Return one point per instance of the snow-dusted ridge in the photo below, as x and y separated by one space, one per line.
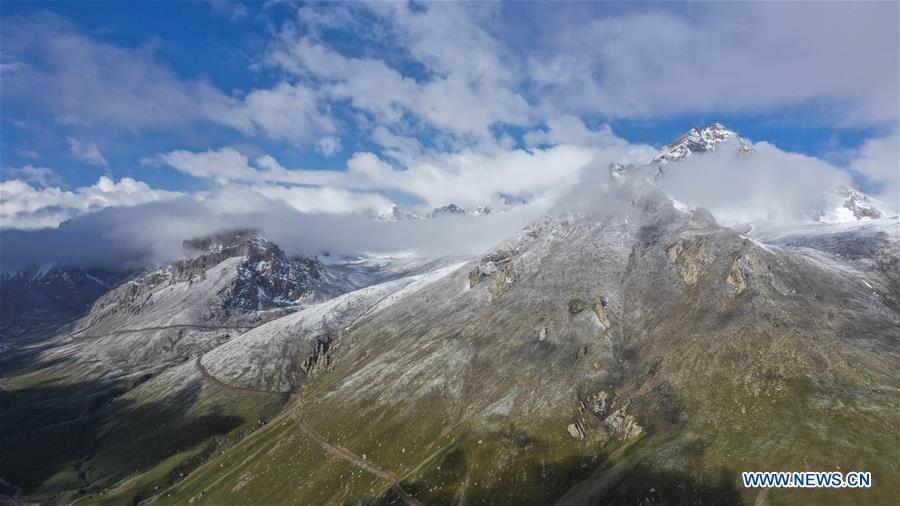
278 355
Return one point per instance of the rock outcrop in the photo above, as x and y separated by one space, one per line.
498 266
599 407
576 306
691 256
602 313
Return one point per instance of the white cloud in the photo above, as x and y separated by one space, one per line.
879 163
732 57
152 233
84 81
325 199
328 146
38 176
771 184
469 177
568 129
286 111
471 83
96 84
88 152
24 206
221 165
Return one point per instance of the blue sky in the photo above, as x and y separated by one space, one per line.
416 104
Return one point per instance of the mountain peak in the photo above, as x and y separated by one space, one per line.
241 238
700 140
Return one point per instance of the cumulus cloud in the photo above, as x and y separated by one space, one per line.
469 177
471 84
436 88
318 211
569 129
286 111
86 151
25 206
87 82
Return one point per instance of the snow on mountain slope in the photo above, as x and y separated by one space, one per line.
395 213
234 281
698 140
277 356
847 204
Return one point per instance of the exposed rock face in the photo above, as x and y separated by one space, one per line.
498 266
503 280
267 277
616 423
395 213
621 425
620 172
448 210
809 344
576 430
319 359
602 313
576 306
735 279
600 404
258 276
858 203
475 277
692 256
233 282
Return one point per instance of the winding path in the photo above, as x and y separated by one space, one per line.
216 381
324 441
344 454
164 327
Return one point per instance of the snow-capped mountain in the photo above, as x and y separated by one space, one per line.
266 276
700 140
843 204
225 274
396 213
848 204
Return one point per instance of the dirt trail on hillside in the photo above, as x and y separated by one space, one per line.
164 327
327 444
353 458
212 379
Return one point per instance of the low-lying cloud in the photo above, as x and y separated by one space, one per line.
129 224
770 184
152 234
